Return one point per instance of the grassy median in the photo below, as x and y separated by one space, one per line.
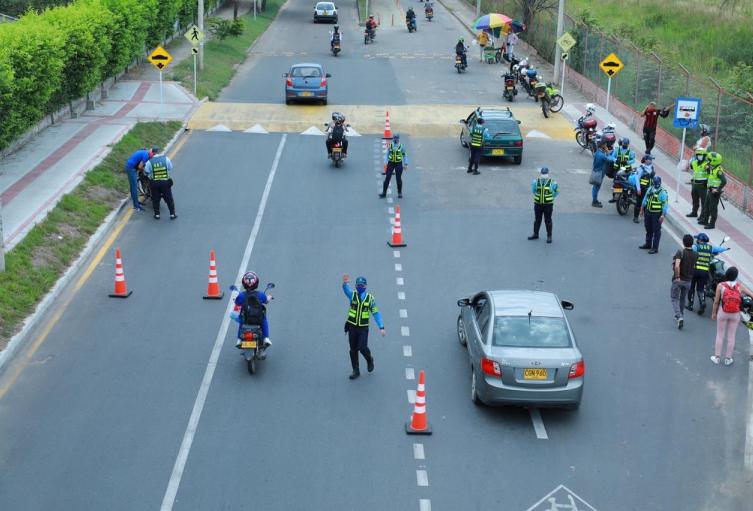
222 57
35 264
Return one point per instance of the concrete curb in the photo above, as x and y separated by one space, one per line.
76 266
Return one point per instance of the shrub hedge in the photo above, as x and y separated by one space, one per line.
51 57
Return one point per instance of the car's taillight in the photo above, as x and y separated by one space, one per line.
518 143
577 370
490 367
289 82
324 82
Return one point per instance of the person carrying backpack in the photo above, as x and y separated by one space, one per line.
336 133
250 307
729 295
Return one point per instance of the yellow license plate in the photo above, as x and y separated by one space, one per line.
498 152
617 190
326 13
535 374
336 149
306 94
248 345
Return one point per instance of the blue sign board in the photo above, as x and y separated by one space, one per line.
687 113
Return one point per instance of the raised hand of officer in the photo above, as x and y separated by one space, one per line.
381 331
346 278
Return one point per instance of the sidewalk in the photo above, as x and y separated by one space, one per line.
732 221
34 178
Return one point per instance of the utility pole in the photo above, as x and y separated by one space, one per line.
557 50
200 15
478 8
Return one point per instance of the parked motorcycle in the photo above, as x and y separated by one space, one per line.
605 136
368 36
509 91
585 128
252 341
548 95
532 81
335 48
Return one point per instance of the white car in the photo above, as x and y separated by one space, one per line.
325 11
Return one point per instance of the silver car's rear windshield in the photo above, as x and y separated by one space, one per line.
325 6
539 332
306 72
501 126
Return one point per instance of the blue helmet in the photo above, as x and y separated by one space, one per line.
657 181
624 142
361 282
702 237
396 137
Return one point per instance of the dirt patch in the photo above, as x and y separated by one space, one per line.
102 194
44 257
66 231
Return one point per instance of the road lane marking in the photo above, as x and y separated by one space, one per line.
391 210
748 456
407 351
424 505
410 373
538 424
193 422
422 478
398 267
396 254
401 295
411 396
400 281
418 452
405 331
389 200
403 313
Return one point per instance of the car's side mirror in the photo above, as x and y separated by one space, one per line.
568 306
464 302
284 75
462 121
328 75
518 122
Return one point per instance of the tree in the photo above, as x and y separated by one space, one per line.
530 8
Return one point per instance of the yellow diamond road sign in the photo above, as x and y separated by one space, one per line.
611 65
194 35
160 58
566 41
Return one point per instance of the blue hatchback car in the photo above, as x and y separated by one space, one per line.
306 82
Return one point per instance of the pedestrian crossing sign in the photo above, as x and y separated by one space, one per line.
194 35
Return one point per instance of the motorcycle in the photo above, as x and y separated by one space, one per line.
606 135
429 12
551 100
335 48
144 186
411 24
624 194
509 91
585 129
531 83
459 64
338 156
252 341
369 35
717 269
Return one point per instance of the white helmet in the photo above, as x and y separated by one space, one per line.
590 107
515 67
612 126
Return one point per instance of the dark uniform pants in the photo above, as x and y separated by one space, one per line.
358 337
163 190
331 142
649 136
638 203
698 284
397 168
698 193
545 211
474 159
653 229
709 210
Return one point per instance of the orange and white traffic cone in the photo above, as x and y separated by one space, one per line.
213 288
121 290
418 424
397 231
387 130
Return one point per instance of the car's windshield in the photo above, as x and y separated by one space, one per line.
501 126
325 6
538 332
306 72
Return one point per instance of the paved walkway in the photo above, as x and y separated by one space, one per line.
34 178
732 221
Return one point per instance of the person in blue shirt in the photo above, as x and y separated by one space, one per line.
544 190
654 207
642 179
602 157
134 163
395 161
706 252
362 307
250 282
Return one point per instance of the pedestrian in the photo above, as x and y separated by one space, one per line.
651 115
699 165
642 179
683 264
714 186
362 307
395 161
729 295
706 251
478 134
135 163
512 40
705 141
544 190
483 40
654 207
158 170
603 156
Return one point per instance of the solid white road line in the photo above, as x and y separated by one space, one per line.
405 331
422 478
418 452
538 424
193 422
424 505
410 373
407 351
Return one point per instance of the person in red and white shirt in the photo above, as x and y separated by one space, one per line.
651 115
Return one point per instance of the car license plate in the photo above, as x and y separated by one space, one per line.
326 13
248 345
307 94
535 374
498 152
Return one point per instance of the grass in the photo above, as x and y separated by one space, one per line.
35 264
221 57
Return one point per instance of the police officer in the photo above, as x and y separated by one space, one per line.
158 169
654 206
132 166
396 160
544 190
706 251
715 183
362 307
700 169
644 176
624 156
477 146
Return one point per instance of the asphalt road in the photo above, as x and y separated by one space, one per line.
96 417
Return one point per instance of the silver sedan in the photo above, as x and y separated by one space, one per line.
521 348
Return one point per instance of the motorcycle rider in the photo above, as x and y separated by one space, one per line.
335 36
336 133
699 166
624 157
410 16
642 179
250 282
715 183
706 252
371 25
428 8
460 50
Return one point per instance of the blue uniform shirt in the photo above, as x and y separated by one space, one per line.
387 154
148 169
552 185
140 156
715 249
349 293
663 196
601 158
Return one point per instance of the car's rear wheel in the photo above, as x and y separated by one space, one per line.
474 392
461 332
324 102
287 101
517 160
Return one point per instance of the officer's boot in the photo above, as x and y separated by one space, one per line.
369 359
354 363
701 303
549 232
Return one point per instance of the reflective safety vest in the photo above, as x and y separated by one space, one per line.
704 256
544 193
360 311
396 153
715 179
700 170
654 203
645 180
159 168
623 157
477 136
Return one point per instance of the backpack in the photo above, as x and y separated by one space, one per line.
338 132
731 298
252 310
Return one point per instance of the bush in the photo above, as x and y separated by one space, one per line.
131 22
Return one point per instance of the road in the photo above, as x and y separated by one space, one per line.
98 408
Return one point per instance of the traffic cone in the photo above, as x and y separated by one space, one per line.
397 231
387 129
120 281
418 424
213 288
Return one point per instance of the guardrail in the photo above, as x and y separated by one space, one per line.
5 18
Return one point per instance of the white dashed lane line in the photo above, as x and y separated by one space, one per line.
407 351
401 295
398 267
418 452
396 254
400 281
424 505
410 373
405 331
422 478
411 396
403 313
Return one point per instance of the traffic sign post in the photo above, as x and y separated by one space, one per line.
564 66
195 36
565 43
687 114
611 65
160 59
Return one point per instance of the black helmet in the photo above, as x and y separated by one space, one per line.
250 281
